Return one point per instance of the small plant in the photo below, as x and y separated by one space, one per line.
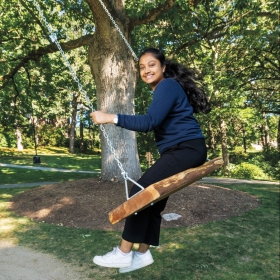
268 161
237 155
247 171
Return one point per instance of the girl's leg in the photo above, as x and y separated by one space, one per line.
145 226
126 246
143 248
141 258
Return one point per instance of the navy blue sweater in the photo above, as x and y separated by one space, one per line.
170 115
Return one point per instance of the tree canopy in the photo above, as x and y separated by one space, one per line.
233 45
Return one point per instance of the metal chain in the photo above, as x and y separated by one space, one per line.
53 38
113 151
118 29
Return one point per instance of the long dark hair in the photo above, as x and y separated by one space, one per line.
186 78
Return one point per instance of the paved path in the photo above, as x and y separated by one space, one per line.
35 167
23 185
19 263
214 180
46 168
209 180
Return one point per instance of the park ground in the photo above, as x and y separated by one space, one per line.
85 204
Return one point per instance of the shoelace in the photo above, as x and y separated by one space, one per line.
114 252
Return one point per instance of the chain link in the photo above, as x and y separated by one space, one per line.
118 29
53 38
113 151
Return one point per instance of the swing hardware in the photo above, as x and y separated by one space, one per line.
150 205
53 39
163 189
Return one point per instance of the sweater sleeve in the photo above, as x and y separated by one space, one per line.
163 101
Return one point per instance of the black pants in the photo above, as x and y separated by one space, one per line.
145 226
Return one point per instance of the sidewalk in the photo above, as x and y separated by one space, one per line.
205 180
35 167
20 263
24 185
46 168
210 180
216 180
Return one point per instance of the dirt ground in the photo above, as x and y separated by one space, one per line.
86 203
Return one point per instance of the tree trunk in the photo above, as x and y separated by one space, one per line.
82 143
73 126
34 121
225 154
278 135
261 135
19 139
36 125
114 72
265 133
244 139
211 138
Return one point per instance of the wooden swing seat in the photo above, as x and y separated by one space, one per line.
162 189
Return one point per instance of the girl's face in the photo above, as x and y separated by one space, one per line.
151 71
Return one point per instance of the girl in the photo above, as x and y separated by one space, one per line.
180 143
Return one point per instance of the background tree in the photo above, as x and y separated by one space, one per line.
231 44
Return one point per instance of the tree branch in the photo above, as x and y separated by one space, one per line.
16 96
269 15
35 55
216 31
117 12
214 34
35 17
152 14
268 60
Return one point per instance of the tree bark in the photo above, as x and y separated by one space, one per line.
73 126
82 143
114 72
266 134
19 139
278 135
244 139
211 138
225 154
264 129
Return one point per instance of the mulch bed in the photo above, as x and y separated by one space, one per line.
86 203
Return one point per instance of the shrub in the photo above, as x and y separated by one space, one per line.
3 141
247 171
8 139
51 136
28 142
238 155
268 161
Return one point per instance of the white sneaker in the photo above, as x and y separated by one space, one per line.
139 261
114 259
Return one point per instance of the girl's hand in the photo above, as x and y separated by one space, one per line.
99 117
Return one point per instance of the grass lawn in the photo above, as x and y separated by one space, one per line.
18 176
244 247
240 248
50 157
